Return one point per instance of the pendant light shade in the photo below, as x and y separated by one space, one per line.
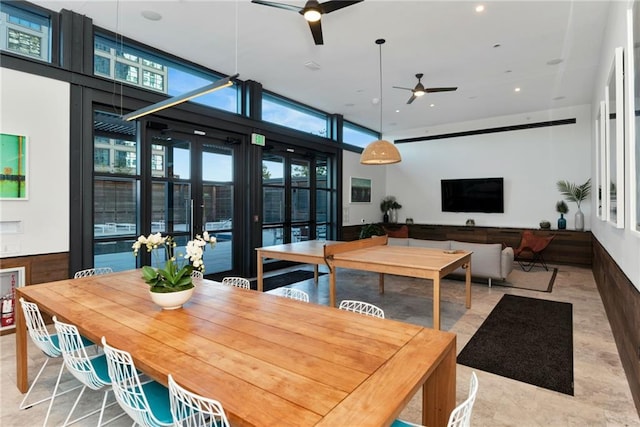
380 152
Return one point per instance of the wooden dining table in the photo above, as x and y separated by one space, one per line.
269 360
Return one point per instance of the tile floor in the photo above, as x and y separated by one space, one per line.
602 396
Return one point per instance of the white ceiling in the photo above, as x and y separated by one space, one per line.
448 41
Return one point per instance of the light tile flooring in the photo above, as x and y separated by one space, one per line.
602 396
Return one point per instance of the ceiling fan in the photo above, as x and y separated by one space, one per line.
420 90
312 12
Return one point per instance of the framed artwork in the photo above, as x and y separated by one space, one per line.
360 190
632 85
10 279
13 167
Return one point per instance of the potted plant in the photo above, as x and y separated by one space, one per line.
575 193
369 230
175 276
389 206
562 208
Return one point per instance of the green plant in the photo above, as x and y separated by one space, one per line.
175 275
562 207
574 193
369 230
388 203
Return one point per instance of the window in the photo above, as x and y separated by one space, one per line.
353 134
157 162
24 32
292 115
101 158
145 69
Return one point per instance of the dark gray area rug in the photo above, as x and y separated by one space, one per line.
526 339
284 279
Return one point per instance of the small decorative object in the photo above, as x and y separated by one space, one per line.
470 222
409 220
562 208
389 207
175 276
575 193
545 225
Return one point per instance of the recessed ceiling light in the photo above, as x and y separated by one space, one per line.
558 98
480 8
432 105
517 89
496 45
508 71
151 15
554 61
397 111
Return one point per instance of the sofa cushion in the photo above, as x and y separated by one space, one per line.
435 244
485 260
396 241
402 232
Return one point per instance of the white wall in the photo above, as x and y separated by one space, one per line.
357 213
530 161
38 108
622 244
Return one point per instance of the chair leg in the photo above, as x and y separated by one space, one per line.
101 410
53 396
73 408
22 404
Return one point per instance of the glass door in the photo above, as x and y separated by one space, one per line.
295 195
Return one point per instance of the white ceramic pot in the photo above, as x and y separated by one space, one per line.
171 300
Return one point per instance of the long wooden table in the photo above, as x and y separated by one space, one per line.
269 360
374 255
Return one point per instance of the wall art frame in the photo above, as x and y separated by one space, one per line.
360 190
14 166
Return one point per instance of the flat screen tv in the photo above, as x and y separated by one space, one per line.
473 195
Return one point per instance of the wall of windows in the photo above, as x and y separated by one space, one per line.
25 33
353 134
293 115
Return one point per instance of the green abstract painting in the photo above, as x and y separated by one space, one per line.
13 166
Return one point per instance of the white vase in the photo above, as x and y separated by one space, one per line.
579 220
171 300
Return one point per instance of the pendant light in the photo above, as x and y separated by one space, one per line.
380 152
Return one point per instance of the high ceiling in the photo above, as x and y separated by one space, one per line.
550 50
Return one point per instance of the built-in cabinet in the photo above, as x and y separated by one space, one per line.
567 247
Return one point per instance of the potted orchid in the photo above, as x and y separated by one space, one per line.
175 275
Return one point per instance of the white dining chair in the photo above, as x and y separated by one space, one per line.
238 282
295 294
461 414
361 307
192 410
146 403
49 344
92 272
90 371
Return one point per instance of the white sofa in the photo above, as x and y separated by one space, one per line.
488 261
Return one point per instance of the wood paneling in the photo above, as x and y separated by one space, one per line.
567 247
39 269
621 301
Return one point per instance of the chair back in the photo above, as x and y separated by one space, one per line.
295 294
238 282
92 272
361 307
126 385
533 243
38 331
75 356
197 274
461 415
192 410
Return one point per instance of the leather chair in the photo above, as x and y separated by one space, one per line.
529 252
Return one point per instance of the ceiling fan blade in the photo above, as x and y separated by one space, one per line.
278 5
405 88
413 97
330 6
440 89
316 31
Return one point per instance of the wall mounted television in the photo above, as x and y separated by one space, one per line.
473 195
